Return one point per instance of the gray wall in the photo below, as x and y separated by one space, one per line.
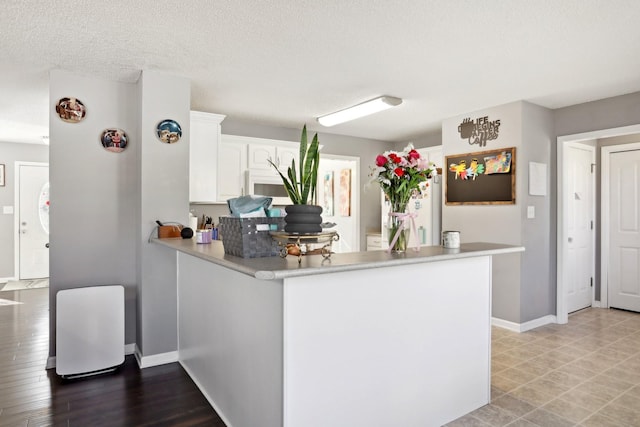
598 115
606 113
104 205
93 193
366 149
429 139
163 176
538 275
491 223
9 154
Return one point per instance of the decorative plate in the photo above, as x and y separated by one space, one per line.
114 140
71 110
169 131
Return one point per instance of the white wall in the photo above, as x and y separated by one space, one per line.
9 154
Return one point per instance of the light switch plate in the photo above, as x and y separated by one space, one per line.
531 212
7 210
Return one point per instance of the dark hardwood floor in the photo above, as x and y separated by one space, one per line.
32 396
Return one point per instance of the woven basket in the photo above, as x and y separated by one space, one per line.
249 237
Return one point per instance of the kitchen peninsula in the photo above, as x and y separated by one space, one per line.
358 339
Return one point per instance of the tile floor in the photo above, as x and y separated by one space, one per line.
584 373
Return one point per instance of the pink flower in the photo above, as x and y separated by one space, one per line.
413 155
381 160
423 164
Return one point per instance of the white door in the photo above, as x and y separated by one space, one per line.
624 230
580 214
33 221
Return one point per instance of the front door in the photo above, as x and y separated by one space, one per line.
33 221
624 230
578 290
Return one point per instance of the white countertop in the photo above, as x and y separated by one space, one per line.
269 268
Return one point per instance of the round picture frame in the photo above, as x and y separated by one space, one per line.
169 131
114 140
71 110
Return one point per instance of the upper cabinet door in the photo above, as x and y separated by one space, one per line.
260 155
285 155
232 164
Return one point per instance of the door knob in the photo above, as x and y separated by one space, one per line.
570 239
46 245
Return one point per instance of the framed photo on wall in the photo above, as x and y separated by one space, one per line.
1 175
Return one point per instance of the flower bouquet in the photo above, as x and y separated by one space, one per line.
400 175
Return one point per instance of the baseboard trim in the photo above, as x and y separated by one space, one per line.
51 362
4 280
523 327
128 349
596 304
155 359
206 395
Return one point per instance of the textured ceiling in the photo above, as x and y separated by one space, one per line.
285 62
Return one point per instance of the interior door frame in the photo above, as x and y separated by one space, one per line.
562 316
605 195
16 213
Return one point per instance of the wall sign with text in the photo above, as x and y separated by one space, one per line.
479 131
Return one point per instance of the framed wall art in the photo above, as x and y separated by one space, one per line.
71 110
114 140
328 204
481 178
169 131
345 192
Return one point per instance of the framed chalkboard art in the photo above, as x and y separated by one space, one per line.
481 178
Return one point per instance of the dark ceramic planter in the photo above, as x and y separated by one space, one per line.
303 219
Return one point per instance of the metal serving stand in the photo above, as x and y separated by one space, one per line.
303 242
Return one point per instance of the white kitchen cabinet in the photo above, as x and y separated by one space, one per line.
286 154
232 165
374 241
263 150
205 131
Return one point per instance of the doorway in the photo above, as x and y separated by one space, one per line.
338 192
563 268
31 220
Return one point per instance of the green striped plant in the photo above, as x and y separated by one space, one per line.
301 184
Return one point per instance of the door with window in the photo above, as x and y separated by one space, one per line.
33 221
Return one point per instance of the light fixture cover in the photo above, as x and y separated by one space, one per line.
364 109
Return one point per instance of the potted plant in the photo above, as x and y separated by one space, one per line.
300 183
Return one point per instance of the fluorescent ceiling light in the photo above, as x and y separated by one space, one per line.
366 108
